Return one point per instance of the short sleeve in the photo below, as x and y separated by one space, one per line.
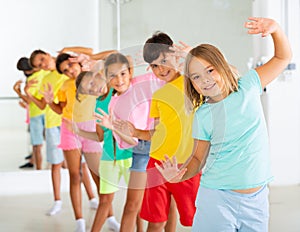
154 111
251 81
201 127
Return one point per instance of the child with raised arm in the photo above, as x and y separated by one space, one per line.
71 145
131 102
171 135
230 135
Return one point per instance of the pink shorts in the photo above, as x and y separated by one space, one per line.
157 197
71 141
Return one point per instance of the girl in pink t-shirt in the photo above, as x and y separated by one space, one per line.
130 103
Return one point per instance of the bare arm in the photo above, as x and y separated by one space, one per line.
17 89
102 55
38 102
282 51
77 49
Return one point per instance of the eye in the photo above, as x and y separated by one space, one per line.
210 70
153 66
195 77
163 61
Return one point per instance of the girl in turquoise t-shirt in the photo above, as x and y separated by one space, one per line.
230 135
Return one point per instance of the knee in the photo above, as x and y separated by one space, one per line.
75 177
132 206
158 226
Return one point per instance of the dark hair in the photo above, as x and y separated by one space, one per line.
157 44
23 64
34 54
59 59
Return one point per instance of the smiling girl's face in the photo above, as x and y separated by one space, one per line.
94 85
206 79
119 77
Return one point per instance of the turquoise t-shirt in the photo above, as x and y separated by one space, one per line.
236 128
108 146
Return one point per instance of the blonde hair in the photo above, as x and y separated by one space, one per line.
212 55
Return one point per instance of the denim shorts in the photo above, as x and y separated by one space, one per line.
36 127
226 210
140 156
54 154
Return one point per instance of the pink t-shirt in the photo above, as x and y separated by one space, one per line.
134 104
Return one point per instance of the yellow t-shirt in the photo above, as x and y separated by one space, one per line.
83 111
35 111
56 79
67 93
173 133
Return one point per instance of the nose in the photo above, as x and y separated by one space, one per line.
161 68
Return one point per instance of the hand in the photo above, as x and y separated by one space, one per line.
103 119
170 170
84 60
124 127
29 84
263 26
180 52
48 93
17 86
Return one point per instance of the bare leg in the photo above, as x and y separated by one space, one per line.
73 160
37 153
56 179
135 193
172 217
156 227
86 181
103 210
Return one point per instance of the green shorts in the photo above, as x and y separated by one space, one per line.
111 173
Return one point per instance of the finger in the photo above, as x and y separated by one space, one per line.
181 173
183 44
174 161
102 112
159 168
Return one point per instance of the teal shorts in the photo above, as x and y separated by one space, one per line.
111 173
229 211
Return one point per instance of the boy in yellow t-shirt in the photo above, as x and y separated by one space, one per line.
172 137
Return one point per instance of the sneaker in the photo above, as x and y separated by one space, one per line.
55 208
94 203
80 225
112 224
28 157
27 165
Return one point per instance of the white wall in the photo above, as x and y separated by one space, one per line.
50 25
282 95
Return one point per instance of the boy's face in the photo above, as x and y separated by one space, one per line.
44 61
164 67
70 69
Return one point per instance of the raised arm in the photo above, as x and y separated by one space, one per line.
282 51
17 89
77 49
